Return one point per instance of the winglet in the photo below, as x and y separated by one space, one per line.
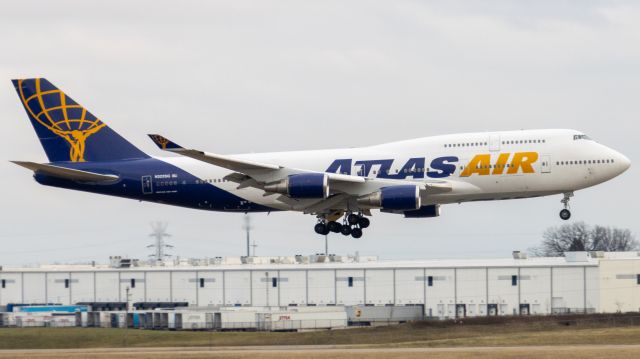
164 144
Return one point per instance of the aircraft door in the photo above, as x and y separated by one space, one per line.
545 164
494 143
147 185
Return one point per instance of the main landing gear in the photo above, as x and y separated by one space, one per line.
565 214
352 225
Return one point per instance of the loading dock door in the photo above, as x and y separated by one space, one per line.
461 310
492 310
525 309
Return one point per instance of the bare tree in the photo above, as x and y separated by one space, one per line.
581 237
610 239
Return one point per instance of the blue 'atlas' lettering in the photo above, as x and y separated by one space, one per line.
342 166
367 166
443 167
414 168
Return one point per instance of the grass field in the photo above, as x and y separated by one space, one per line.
554 352
498 332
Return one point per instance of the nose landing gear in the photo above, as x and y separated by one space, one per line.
565 214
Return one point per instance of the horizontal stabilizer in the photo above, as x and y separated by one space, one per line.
66 173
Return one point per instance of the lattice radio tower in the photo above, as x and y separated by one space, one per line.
159 233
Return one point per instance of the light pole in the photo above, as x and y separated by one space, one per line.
326 245
126 317
247 227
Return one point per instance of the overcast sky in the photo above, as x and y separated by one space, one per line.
239 76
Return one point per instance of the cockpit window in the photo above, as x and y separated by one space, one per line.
581 137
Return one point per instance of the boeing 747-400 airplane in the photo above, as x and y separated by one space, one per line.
412 178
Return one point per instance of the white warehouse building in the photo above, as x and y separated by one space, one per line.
580 282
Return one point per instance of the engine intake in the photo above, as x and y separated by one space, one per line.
303 185
403 197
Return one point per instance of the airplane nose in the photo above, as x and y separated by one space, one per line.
623 162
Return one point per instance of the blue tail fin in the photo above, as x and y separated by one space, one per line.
67 131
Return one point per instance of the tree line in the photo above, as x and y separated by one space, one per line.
579 236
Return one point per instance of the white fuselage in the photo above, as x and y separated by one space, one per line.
550 162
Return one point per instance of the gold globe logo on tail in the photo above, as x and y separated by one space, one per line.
75 129
161 141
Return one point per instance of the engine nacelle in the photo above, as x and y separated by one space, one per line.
402 197
424 212
303 185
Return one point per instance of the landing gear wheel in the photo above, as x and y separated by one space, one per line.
334 227
565 214
356 232
364 222
321 229
352 219
346 230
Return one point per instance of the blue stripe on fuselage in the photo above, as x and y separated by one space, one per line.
170 185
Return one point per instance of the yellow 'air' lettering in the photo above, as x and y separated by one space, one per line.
498 169
479 164
523 160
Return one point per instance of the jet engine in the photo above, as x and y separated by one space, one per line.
424 212
402 197
303 185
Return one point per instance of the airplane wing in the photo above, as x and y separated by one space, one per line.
66 173
264 172
256 174
214 159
